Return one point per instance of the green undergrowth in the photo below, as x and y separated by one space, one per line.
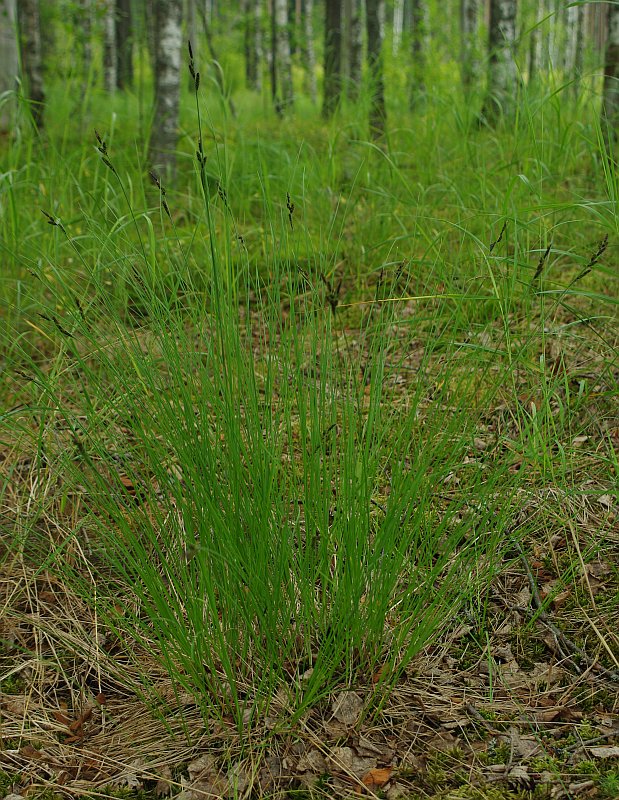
288 412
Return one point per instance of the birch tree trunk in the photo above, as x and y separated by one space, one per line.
332 88
124 44
9 65
109 46
308 54
356 50
398 23
346 43
253 44
579 46
535 43
502 72
375 21
85 32
30 47
419 43
470 67
168 44
284 91
610 103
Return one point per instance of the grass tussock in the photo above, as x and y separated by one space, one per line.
304 452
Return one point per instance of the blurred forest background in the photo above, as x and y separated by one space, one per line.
294 53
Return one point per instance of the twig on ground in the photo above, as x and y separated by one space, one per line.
562 641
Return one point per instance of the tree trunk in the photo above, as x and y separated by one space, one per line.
30 46
535 43
253 44
219 74
168 45
124 45
502 72
308 54
284 92
345 22
355 50
9 65
579 47
610 103
398 24
109 46
469 52
332 88
375 19
85 31
419 45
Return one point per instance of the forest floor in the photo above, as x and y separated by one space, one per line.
525 706
506 324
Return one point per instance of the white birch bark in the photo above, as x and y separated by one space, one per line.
579 46
535 42
168 46
502 71
8 63
308 52
470 64
398 22
610 103
571 31
109 46
282 49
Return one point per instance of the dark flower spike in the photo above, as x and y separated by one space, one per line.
102 148
53 319
541 262
333 295
290 207
190 49
53 221
499 238
222 194
594 259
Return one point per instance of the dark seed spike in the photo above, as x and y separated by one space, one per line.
541 262
190 49
500 237
197 80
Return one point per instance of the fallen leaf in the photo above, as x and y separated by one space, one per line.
347 708
344 759
313 761
84 717
238 779
604 751
164 785
31 752
377 777
519 776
